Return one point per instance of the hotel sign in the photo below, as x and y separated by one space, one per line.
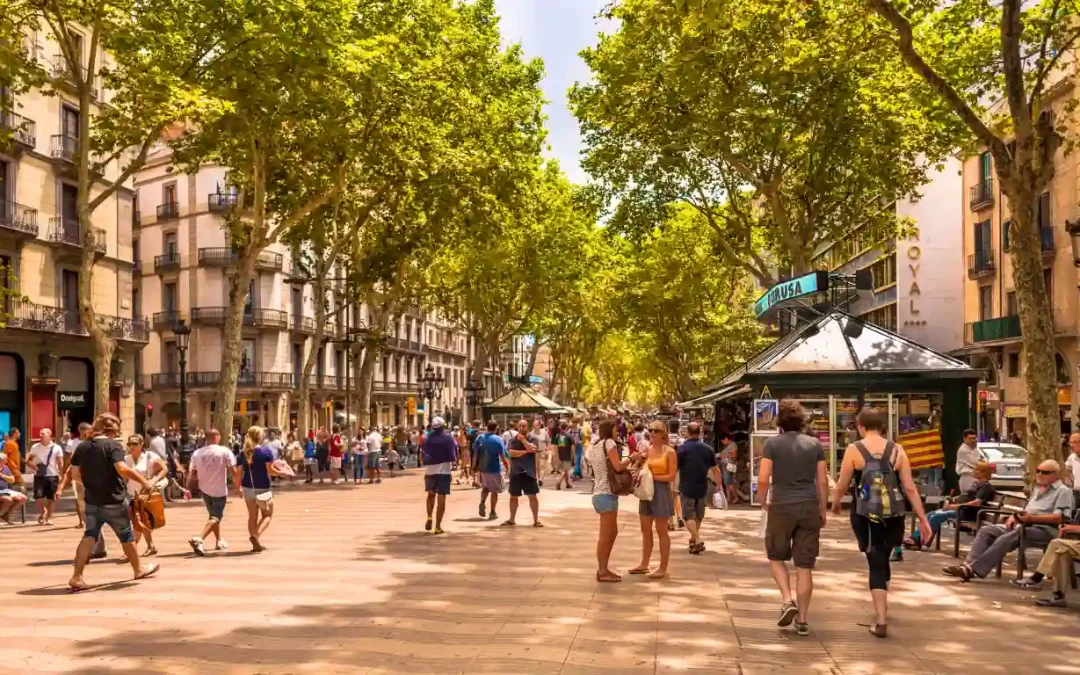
808 284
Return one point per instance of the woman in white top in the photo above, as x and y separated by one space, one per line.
156 471
604 501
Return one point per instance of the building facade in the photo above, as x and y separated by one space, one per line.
46 358
992 338
916 283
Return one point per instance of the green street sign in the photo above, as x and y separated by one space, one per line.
807 284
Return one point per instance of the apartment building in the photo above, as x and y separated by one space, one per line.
182 262
916 284
46 358
992 338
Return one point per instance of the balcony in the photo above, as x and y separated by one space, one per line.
221 202
274 319
245 379
62 70
168 262
18 219
401 344
64 148
379 387
324 382
980 264
993 330
304 325
166 320
23 130
981 195
225 256
65 232
165 380
168 211
46 319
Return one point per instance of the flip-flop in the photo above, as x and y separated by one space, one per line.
508 523
609 578
657 575
150 572
638 570
538 524
78 589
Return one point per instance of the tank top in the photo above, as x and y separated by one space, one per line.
658 465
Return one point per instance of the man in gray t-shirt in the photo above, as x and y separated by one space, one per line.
794 464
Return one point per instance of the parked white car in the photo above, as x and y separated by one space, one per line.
1008 462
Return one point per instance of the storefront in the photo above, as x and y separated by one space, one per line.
12 395
74 394
834 365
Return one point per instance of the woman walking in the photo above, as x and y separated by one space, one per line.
156 471
880 468
605 502
322 455
256 466
662 462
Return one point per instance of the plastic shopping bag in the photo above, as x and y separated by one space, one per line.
643 485
719 500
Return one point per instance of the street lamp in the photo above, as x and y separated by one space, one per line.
183 333
474 394
1073 228
432 388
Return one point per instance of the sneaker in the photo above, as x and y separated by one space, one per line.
788 613
439 530
802 628
493 516
222 545
197 545
1052 601
483 509
427 525
1026 584
897 556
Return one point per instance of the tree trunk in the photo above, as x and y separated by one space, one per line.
1036 325
533 354
304 386
232 340
363 384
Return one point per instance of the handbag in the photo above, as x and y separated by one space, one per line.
42 469
643 485
620 482
149 509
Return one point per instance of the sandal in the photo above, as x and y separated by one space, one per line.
150 551
150 572
508 523
538 524
608 577
638 570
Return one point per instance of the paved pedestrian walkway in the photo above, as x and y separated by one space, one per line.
351 584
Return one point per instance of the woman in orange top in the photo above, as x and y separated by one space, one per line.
11 449
654 514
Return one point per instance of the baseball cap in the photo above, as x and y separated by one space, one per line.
438 423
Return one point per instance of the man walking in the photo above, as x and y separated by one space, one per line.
374 454
795 464
46 460
967 456
210 466
697 463
564 449
440 453
490 453
541 439
523 474
98 463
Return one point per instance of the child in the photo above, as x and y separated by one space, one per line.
309 460
392 458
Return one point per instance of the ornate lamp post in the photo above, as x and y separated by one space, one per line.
183 333
432 384
474 396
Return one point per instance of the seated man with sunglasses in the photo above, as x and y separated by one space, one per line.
1050 506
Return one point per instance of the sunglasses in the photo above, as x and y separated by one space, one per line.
1044 472
658 431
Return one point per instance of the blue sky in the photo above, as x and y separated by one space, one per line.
556 31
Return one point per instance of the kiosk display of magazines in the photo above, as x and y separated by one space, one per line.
834 363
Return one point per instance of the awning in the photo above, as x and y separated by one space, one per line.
715 395
522 400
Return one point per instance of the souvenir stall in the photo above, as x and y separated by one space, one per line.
834 364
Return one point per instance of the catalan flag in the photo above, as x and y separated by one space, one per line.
923 448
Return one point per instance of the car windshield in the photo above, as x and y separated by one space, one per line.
997 452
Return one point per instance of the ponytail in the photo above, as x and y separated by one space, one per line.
252 438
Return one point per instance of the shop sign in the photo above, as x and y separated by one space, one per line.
1065 395
919 407
914 254
791 289
411 404
1015 410
71 400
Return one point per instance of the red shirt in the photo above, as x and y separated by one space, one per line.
335 446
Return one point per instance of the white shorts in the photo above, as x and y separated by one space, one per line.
335 462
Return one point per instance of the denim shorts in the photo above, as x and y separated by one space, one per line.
115 516
605 503
215 506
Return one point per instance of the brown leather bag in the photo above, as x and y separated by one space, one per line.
149 510
621 482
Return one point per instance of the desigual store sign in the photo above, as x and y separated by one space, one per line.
72 400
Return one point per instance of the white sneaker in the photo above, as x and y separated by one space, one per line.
222 545
197 546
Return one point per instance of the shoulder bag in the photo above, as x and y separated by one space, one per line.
621 482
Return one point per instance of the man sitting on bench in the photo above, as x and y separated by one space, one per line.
1056 563
979 494
1050 506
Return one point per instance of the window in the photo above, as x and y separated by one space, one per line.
986 168
986 302
1042 211
386 368
983 242
297 294
339 362
171 361
170 244
1014 364
883 272
883 316
247 356
1010 304
168 194
249 299
168 297
136 305
7 184
1006 235
77 47
298 362
69 211
69 281
69 122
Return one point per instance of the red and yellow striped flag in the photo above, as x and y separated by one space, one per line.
923 448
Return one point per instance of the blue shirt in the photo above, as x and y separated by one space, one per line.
489 453
257 475
309 450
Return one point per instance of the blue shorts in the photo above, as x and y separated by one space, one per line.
605 503
115 516
215 506
373 459
438 483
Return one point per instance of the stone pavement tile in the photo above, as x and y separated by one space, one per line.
598 653
747 667
403 666
696 662
614 668
883 665
614 630
523 627
513 666
547 651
